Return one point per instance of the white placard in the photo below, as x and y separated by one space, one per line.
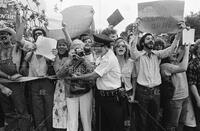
54 21
188 36
45 46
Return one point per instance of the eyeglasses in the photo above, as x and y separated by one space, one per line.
121 46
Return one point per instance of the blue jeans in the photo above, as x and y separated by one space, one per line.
174 114
42 91
149 100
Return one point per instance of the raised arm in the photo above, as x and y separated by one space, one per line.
166 52
20 24
134 40
181 67
67 36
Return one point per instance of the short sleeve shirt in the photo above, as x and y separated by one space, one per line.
109 71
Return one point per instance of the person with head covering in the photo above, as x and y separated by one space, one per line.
148 77
42 90
108 96
10 65
79 93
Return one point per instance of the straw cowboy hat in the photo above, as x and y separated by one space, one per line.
9 30
4 28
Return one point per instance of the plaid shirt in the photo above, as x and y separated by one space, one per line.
193 73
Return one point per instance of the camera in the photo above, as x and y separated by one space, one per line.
78 53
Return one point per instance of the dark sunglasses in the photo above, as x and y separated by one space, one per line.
121 46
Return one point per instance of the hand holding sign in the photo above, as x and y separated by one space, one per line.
45 47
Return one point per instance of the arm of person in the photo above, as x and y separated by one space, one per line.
4 75
195 93
67 36
135 54
100 70
20 24
166 52
5 90
181 67
86 77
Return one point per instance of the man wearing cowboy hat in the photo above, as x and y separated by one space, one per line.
10 60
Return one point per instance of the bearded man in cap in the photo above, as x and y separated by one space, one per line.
148 76
108 80
10 65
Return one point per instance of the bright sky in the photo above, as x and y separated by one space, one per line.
104 8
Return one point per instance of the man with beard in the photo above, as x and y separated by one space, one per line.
13 104
149 78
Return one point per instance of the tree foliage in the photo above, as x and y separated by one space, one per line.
193 20
33 18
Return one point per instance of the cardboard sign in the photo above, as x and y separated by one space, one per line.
54 21
160 16
7 12
78 20
188 36
45 46
115 18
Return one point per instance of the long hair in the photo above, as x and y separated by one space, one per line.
127 53
66 54
141 42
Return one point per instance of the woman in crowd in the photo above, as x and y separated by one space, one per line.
128 77
60 103
174 109
77 100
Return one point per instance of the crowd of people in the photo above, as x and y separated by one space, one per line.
100 82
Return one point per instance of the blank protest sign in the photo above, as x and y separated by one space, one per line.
188 36
115 18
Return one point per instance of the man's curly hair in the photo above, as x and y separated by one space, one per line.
109 31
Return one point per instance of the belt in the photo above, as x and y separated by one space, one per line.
110 93
152 91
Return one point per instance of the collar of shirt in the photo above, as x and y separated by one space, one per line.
147 53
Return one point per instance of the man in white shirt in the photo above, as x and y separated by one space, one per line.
109 110
149 78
